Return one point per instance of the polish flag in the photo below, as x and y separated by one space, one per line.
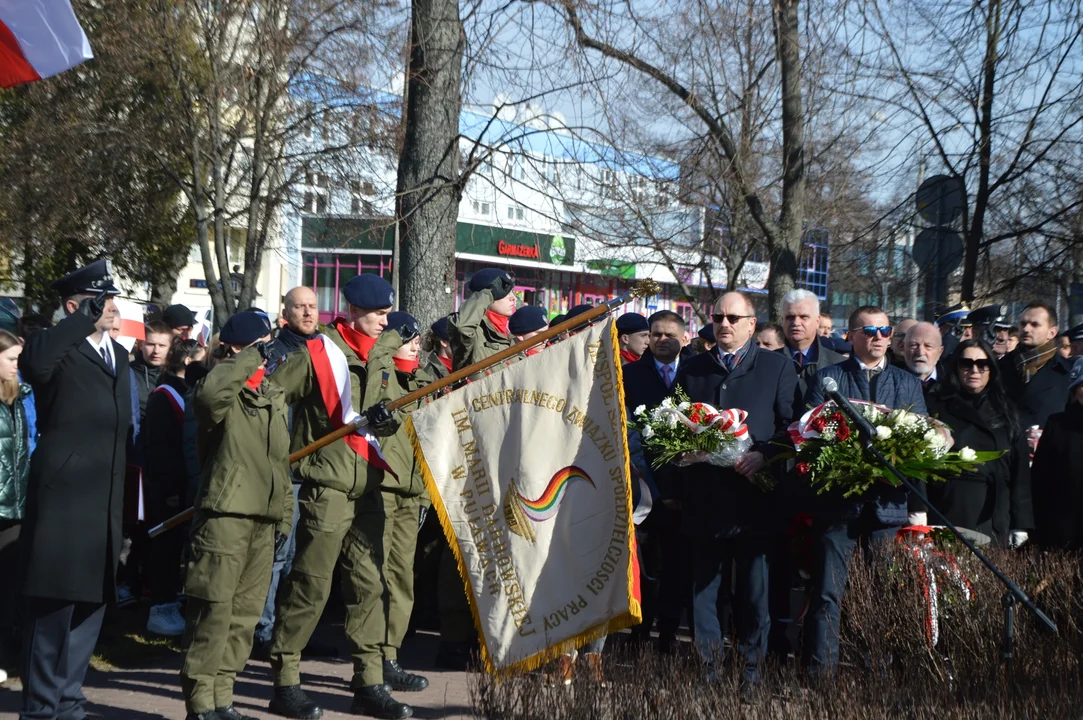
39 38
131 322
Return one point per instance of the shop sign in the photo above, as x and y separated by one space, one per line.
513 250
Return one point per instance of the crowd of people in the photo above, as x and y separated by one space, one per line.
97 446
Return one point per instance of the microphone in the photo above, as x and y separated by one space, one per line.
831 390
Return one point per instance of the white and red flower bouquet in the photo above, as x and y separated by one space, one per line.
684 433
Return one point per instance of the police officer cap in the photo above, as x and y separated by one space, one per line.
243 328
1073 333
404 323
369 291
632 322
439 329
954 313
527 319
93 278
578 310
1075 377
178 316
706 333
485 279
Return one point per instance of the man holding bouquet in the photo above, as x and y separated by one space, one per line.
732 518
840 521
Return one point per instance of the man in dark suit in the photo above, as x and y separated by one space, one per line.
804 345
72 531
840 521
647 382
731 519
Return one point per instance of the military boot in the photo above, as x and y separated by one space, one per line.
375 701
401 680
292 702
231 713
209 715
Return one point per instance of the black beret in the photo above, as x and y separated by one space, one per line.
369 291
260 312
439 329
244 328
707 333
632 322
485 278
178 316
558 319
401 319
94 278
527 319
578 310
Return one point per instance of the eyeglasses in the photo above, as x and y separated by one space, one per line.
981 365
731 319
871 330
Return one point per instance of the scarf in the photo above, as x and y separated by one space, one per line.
257 377
360 343
1028 363
738 355
291 339
446 361
498 321
628 356
404 365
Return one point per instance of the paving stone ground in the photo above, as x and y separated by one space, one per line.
152 690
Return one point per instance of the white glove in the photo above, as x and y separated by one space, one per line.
918 518
1018 538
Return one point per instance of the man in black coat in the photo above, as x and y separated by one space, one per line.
804 345
730 518
72 532
1035 377
647 382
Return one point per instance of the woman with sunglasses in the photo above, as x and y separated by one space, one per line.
994 500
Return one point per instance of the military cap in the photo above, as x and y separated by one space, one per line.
1075 377
558 319
91 279
404 323
439 329
178 316
261 314
369 291
987 315
527 319
243 328
487 279
1073 333
943 315
632 322
706 333
578 310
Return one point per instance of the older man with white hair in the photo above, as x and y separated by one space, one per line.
922 349
800 325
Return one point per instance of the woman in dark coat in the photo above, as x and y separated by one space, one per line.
1058 473
996 498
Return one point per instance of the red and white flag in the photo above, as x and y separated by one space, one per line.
333 376
39 38
131 321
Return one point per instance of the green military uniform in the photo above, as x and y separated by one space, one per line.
384 537
333 478
244 498
433 366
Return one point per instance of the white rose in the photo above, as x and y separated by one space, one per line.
671 420
932 436
648 432
667 403
641 409
907 420
684 406
883 432
968 455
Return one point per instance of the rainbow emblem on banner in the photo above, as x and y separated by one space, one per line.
518 508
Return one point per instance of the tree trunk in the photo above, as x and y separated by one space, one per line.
427 206
787 248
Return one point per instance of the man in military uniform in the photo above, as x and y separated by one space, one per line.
333 479
244 509
634 335
71 537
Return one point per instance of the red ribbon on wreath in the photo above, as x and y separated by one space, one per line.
934 566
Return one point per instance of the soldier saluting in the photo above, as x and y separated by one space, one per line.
71 535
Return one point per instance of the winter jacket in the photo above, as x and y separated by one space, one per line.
433 366
996 498
1044 395
895 388
1057 481
244 442
31 418
14 455
144 379
473 337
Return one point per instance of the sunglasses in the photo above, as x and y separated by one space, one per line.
731 319
981 365
871 330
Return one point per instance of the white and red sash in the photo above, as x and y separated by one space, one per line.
175 399
333 376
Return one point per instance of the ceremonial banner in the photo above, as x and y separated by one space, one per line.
528 471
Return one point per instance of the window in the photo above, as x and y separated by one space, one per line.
327 273
361 207
515 212
321 203
518 213
485 208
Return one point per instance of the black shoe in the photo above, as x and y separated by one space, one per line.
292 702
209 715
230 713
375 701
401 680
454 656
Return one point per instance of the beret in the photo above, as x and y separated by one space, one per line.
243 328
707 333
527 319
484 279
632 322
369 291
402 319
558 319
177 316
439 329
94 278
578 310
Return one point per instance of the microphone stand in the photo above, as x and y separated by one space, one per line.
1013 594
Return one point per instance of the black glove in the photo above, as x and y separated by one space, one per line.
280 542
421 515
93 307
406 331
272 353
382 422
501 285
